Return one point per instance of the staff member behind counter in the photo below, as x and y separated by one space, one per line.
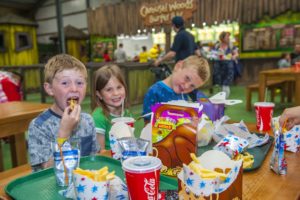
184 43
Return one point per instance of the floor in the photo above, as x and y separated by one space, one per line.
236 113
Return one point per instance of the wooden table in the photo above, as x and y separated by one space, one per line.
14 120
261 184
286 74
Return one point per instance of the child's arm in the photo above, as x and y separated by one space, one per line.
39 145
69 121
101 141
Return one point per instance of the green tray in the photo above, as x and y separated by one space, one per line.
42 185
259 153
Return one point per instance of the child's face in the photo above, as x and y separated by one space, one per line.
66 85
185 80
113 94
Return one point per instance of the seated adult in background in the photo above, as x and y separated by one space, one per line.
184 43
285 61
120 54
295 56
291 116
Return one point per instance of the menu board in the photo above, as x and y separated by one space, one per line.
273 38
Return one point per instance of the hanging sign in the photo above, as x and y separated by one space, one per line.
163 12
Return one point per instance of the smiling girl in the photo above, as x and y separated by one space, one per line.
110 93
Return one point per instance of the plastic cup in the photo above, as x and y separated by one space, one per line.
264 113
127 120
142 177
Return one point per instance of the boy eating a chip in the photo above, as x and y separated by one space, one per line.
65 81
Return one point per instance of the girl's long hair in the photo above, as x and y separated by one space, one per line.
101 78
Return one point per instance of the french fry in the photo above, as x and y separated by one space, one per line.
247 158
206 173
110 176
72 104
99 175
195 159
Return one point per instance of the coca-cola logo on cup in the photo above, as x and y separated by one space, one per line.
149 188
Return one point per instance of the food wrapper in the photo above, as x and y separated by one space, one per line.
291 138
117 190
132 147
66 159
214 106
174 132
193 186
118 130
240 129
98 184
87 188
205 131
232 145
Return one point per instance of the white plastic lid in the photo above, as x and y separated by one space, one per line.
123 119
264 104
141 164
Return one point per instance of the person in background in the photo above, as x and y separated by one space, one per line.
106 56
295 56
188 75
109 95
183 46
285 61
201 49
144 55
290 117
154 52
223 74
65 81
10 87
119 54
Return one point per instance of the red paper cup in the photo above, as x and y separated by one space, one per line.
127 120
264 113
142 177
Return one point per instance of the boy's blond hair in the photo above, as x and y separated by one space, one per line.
62 62
200 64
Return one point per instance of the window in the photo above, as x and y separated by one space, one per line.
23 41
2 43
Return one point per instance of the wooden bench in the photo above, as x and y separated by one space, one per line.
272 87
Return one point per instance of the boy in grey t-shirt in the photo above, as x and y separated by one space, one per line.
65 81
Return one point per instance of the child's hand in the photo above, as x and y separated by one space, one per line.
69 121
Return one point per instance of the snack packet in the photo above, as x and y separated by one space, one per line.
131 147
117 131
174 132
291 137
66 159
278 162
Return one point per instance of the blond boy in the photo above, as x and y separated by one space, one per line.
188 74
65 81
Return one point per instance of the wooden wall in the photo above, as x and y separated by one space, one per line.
115 19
